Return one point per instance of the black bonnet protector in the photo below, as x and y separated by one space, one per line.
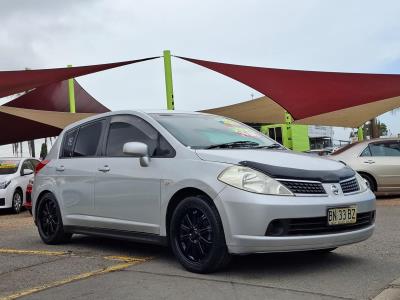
327 176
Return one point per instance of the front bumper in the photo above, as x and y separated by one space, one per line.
246 217
4 201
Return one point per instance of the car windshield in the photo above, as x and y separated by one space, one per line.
8 166
200 131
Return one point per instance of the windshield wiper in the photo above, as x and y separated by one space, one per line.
237 144
273 146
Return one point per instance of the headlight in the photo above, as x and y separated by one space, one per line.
4 184
253 181
362 183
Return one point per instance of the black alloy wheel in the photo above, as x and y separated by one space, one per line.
49 221
197 237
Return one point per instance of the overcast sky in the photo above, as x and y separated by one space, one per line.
340 35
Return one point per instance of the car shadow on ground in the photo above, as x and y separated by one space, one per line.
6 211
291 262
288 263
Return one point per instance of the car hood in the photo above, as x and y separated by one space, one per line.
6 177
278 158
282 164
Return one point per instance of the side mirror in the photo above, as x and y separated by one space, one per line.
137 149
26 172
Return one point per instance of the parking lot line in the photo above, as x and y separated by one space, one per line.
125 262
33 252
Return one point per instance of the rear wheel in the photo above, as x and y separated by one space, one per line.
49 221
197 237
17 202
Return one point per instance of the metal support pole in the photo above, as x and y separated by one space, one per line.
169 89
71 94
360 133
288 140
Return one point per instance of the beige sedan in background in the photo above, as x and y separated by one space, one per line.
377 160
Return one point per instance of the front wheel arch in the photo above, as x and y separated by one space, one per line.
374 186
179 196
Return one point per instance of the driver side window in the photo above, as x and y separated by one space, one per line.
124 129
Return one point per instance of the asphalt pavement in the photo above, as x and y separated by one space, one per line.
97 268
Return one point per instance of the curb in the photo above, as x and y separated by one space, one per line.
391 292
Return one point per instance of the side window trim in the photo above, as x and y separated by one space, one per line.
107 132
104 138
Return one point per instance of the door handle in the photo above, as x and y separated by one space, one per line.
60 168
369 161
104 169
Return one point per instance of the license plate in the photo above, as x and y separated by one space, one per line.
342 215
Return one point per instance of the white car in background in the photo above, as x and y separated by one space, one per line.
15 174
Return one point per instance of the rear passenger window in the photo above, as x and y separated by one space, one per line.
385 149
68 143
88 140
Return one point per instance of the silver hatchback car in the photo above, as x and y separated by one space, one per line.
205 185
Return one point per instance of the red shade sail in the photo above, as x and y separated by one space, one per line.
47 101
54 97
308 93
12 82
18 129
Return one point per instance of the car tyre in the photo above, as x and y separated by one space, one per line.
370 182
197 237
49 221
17 202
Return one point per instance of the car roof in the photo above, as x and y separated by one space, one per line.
134 112
171 112
358 146
393 138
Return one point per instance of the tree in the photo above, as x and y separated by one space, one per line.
43 151
383 129
375 129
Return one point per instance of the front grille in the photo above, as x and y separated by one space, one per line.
302 187
2 201
313 226
349 186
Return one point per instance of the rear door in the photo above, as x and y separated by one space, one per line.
75 171
127 195
383 160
